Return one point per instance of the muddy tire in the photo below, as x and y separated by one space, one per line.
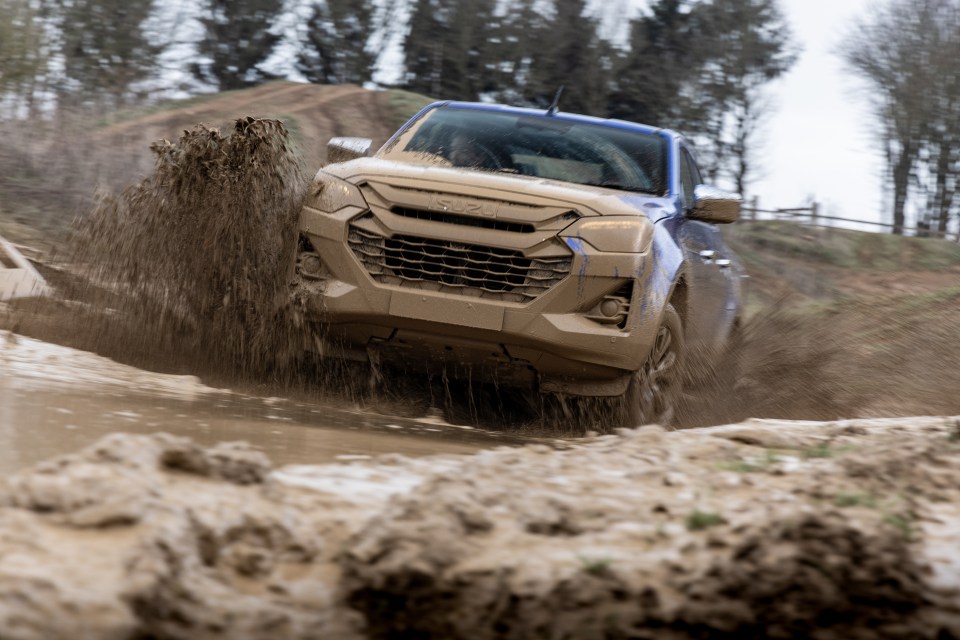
653 390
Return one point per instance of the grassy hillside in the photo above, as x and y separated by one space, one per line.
804 265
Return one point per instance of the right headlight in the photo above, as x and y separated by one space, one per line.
616 234
331 194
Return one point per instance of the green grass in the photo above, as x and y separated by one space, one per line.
941 296
901 524
752 465
596 566
846 500
755 241
294 129
700 520
819 451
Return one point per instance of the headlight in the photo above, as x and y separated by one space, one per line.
616 234
330 194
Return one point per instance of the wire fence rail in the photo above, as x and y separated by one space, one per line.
810 216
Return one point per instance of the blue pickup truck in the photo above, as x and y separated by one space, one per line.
553 252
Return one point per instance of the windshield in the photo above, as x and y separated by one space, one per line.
534 145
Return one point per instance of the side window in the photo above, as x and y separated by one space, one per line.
686 180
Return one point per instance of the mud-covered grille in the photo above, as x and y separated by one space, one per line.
468 269
469 221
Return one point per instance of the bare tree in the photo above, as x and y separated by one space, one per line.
743 45
23 52
906 52
943 140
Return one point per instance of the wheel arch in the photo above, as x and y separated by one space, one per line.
679 298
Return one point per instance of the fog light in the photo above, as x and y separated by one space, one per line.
610 307
310 264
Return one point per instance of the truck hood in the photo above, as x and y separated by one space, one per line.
524 190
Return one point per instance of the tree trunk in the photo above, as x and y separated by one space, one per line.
944 197
901 185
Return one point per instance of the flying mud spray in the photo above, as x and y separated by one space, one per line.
198 256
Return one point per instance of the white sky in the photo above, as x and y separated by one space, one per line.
818 139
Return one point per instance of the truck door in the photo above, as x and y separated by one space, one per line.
708 267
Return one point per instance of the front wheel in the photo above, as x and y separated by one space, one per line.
651 395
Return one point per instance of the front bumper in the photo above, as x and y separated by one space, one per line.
555 336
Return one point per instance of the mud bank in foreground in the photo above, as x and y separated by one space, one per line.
762 529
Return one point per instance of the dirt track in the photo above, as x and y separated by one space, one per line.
315 113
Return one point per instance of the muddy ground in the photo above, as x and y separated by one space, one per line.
820 530
541 529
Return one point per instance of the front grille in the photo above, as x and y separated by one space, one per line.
469 221
466 269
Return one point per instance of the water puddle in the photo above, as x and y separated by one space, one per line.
55 400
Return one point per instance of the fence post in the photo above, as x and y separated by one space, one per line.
814 211
756 205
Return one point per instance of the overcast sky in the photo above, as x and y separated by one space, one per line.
818 140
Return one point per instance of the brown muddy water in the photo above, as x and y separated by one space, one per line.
55 400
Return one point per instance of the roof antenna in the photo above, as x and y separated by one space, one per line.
555 105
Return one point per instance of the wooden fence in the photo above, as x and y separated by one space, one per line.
811 216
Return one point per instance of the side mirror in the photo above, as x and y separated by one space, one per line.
343 149
715 205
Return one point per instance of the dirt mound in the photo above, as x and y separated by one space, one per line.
199 256
155 537
648 535
822 530
786 579
313 113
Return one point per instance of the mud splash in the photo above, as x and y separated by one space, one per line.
780 365
198 257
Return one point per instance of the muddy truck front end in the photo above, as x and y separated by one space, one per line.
543 259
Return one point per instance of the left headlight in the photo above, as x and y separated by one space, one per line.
616 234
331 194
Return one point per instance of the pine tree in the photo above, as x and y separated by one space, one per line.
660 61
569 52
22 47
335 48
742 45
237 41
104 48
448 47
